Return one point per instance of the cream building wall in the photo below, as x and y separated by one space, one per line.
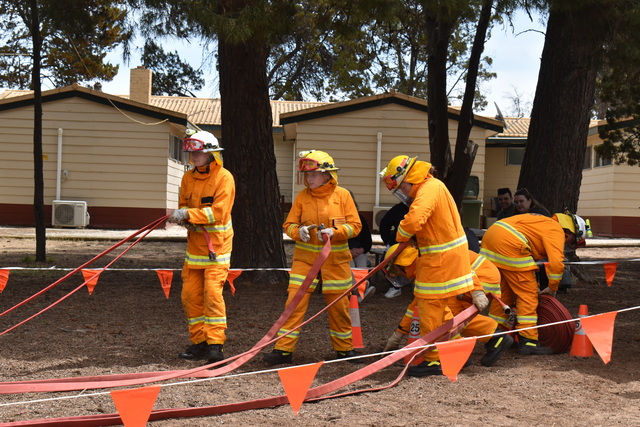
351 138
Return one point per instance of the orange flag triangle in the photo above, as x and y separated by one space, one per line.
599 330
231 276
134 406
610 271
166 277
359 275
90 279
4 278
296 382
454 354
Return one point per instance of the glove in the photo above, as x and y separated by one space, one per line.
189 226
394 341
548 291
480 300
178 216
304 233
328 231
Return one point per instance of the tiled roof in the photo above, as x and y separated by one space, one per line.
206 111
201 111
12 93
518 127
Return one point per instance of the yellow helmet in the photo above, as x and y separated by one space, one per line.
574 224
405 258
396 171
316 160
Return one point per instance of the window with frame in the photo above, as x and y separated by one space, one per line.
587 157
600 161
175 148
515 155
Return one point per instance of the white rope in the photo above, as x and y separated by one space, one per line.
266 371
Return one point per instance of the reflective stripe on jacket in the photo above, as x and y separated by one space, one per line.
487 273
517 242
209 199
443 266
331 206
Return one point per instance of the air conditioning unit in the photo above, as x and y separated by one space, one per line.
67 213
378 213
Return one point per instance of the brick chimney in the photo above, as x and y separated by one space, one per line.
140 85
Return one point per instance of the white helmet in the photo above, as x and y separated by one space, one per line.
202 142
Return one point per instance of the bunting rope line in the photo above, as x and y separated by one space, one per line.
89 279
267 371
252 352
444 332
105 381
319 391
151 226
596 262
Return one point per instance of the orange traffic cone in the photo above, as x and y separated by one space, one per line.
356 330
581 346
414 334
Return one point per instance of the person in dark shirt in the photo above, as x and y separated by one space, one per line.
505 201
389 223
525 203
359 246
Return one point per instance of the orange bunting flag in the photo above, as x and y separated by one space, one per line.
599 330
4 278
134 406
231 276
91 277
166 277
454 354
359 275
296 382
610 271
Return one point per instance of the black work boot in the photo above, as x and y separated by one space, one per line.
425 369
214 353
528 346
278 357
495 347
194 351
346 354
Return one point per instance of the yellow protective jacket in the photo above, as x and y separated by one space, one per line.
517 242
332 206
209 197
443 265
486 272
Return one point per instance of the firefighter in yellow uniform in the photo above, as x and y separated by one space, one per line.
514 245
330 207
487 279
443 266
207 193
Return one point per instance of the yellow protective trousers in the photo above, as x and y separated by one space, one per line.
203 303
433 313
519 288
339 322
478 326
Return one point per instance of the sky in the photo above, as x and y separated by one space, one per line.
516 60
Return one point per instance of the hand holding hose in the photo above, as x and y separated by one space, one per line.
325 232
548 291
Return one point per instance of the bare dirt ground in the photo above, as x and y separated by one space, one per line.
128 325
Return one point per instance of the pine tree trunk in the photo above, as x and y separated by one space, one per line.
439 33
249 155
465 152
552 165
